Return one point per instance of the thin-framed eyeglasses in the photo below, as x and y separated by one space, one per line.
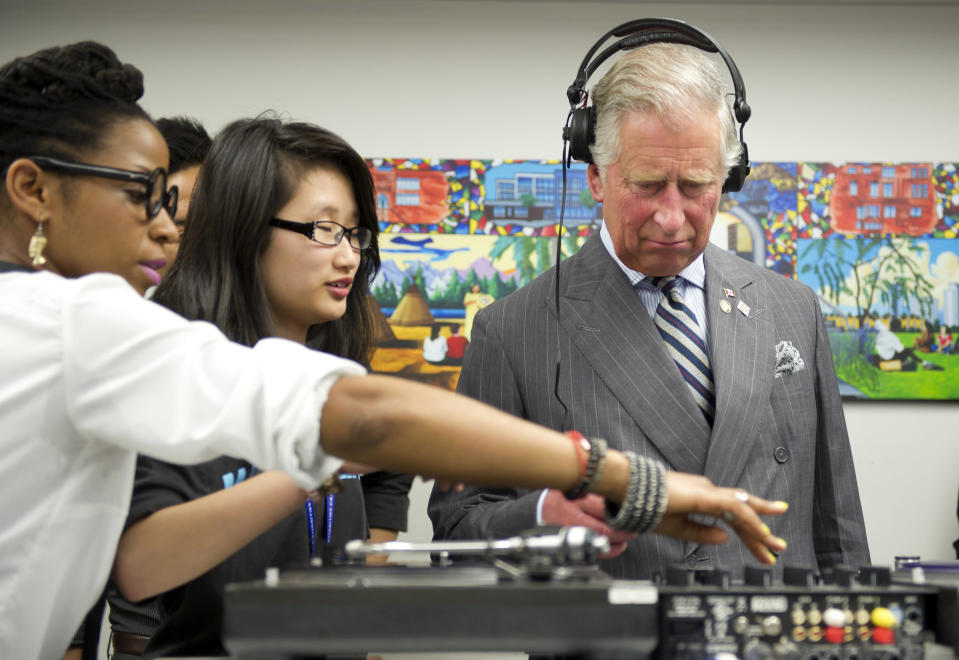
157 197
327 232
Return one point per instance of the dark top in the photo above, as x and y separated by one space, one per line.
191 615
386 499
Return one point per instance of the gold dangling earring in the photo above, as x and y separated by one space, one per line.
37 243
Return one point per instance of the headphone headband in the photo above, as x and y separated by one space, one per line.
635 34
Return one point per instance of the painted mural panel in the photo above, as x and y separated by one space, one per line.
892 309
874 240
767 208
430 286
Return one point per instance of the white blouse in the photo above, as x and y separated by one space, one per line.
90 375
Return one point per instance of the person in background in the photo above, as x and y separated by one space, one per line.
473 302
98 374
666 345
455 346
434 346
944 340
891 355
926 340
189 144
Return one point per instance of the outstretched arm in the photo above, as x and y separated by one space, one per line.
417 429
179 543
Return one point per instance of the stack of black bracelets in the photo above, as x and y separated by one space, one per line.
643 505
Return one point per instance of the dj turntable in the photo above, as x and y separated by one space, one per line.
535 593
541 593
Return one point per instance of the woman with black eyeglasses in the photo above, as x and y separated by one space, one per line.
91 373
281 242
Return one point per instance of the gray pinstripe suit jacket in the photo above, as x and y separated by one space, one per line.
781 438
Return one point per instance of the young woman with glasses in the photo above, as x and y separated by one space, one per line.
290 206
91 373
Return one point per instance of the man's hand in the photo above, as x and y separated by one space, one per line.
588 511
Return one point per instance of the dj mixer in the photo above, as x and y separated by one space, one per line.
541 593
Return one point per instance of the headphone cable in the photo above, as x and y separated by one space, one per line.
564 165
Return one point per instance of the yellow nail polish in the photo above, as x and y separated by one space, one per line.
771 556
766 529
782 505
783 541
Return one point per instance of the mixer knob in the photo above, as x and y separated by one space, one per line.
772 626
740 624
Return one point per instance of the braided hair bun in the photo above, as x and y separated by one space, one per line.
62 99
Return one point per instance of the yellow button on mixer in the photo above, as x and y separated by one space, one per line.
883 618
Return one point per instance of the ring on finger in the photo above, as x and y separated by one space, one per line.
742 496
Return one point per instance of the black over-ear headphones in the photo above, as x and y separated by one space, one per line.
581 127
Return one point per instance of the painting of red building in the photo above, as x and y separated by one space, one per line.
883 199
410 197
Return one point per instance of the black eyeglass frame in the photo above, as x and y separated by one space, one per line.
308 229
166 201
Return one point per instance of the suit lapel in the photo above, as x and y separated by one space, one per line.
743 356
605 319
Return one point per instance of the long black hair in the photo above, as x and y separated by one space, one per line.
62 101
250 173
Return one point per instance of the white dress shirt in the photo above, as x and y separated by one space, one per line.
90 375
692 287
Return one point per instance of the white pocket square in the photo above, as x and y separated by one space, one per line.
788 359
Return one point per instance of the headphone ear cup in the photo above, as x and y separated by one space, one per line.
582 132
736 178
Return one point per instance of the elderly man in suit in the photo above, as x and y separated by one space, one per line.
745 395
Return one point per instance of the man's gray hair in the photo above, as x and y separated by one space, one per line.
671 80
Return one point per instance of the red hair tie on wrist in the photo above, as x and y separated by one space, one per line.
581 445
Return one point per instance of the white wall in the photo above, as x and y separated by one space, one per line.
480 78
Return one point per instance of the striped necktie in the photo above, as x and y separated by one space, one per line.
678 326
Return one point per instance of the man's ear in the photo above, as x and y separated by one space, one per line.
595 182
28 188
